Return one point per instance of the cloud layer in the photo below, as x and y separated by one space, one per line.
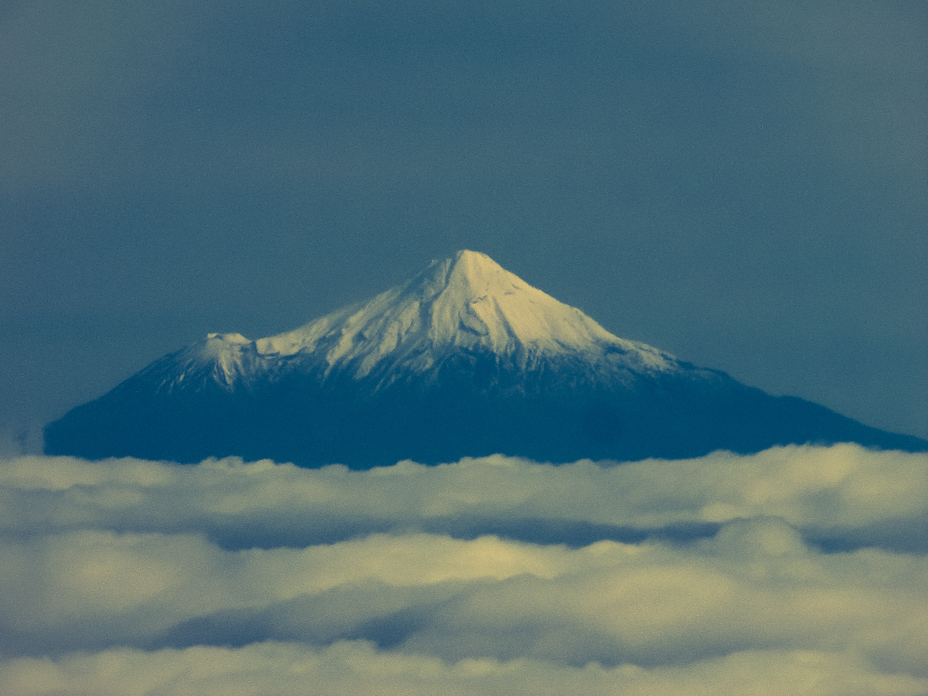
798 570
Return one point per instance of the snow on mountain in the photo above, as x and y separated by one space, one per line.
465 303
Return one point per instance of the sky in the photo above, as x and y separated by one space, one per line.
798 571
742 184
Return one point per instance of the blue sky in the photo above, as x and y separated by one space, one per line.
739 183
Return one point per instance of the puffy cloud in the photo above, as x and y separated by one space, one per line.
842 495
358 668
128 576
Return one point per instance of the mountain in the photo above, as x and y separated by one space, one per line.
464 359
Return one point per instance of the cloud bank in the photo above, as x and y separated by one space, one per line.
799 570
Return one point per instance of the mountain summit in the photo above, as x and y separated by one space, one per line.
464 359
465 303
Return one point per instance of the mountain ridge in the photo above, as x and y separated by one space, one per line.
463 359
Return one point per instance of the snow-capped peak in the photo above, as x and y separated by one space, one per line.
464 302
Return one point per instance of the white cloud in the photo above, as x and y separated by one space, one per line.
823 491
346 668
128 576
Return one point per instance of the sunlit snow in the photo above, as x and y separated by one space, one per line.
465 302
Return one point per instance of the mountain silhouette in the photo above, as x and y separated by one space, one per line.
464 359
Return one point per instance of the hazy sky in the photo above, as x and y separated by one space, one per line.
743 184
